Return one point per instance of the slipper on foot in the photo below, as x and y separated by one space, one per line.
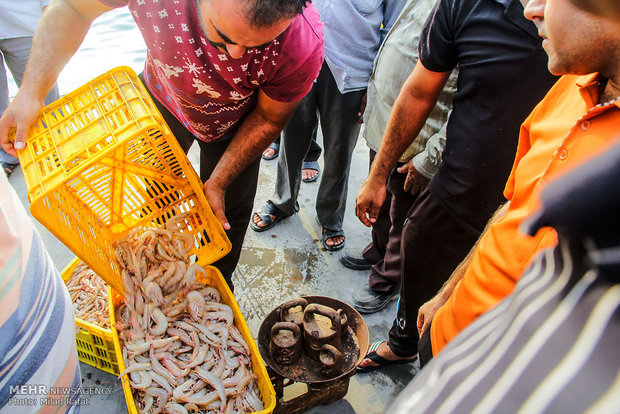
328 234
265 214
276 151
9 168
311 165
382 362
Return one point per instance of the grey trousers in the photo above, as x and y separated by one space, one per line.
14 52
340 126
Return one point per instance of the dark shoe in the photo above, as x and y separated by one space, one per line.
9 168
311 165
276 151
366 300
265 214
353 259
328 234
382 362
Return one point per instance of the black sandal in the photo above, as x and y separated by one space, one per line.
382 362
265 214
9 168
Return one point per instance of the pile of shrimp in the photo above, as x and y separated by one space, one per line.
181 348
89 296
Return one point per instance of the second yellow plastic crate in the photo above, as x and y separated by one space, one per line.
212 278
95 345
101 161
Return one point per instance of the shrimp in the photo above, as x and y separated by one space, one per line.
195 305
183 390
134 368
161 322
215 382
211 294
160 370
174 408
140 380
152 292
161 395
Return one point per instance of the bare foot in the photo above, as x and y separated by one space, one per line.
259 221
383 351
269 152
334 241
308 174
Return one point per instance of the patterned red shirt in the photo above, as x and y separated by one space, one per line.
206 89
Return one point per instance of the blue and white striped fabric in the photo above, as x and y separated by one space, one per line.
353 31
39 369
552 346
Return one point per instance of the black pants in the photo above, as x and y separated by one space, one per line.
433 243
425 348
240 193
340 126
383 252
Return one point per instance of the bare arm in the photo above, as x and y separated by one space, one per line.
60 32
427 311
258 130
413 105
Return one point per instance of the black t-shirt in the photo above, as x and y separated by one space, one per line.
502 75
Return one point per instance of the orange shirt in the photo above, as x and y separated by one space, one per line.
565 129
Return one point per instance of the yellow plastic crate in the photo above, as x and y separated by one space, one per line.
101 161
95 345
212 278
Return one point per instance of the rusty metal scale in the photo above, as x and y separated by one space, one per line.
322 388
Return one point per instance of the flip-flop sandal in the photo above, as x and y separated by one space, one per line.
8 168
265 214
382 362
328 234
311 165
276 151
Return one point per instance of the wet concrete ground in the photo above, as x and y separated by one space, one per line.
277 265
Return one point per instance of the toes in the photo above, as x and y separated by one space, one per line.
335 241
309 174
367 362
257 220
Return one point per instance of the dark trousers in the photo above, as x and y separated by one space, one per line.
383 252
340 126
425 348
314 152
240 193
433 243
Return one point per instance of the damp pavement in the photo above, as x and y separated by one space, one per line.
282 263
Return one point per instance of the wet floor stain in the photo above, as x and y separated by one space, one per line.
265 278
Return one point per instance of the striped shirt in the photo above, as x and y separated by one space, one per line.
551 346
353 32
39 369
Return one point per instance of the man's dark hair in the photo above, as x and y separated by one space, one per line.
264 13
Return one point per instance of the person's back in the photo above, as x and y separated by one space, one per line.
502 75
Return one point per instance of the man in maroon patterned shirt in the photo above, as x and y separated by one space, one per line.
226 73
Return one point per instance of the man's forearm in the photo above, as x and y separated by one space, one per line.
252 137
61 30
413 105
